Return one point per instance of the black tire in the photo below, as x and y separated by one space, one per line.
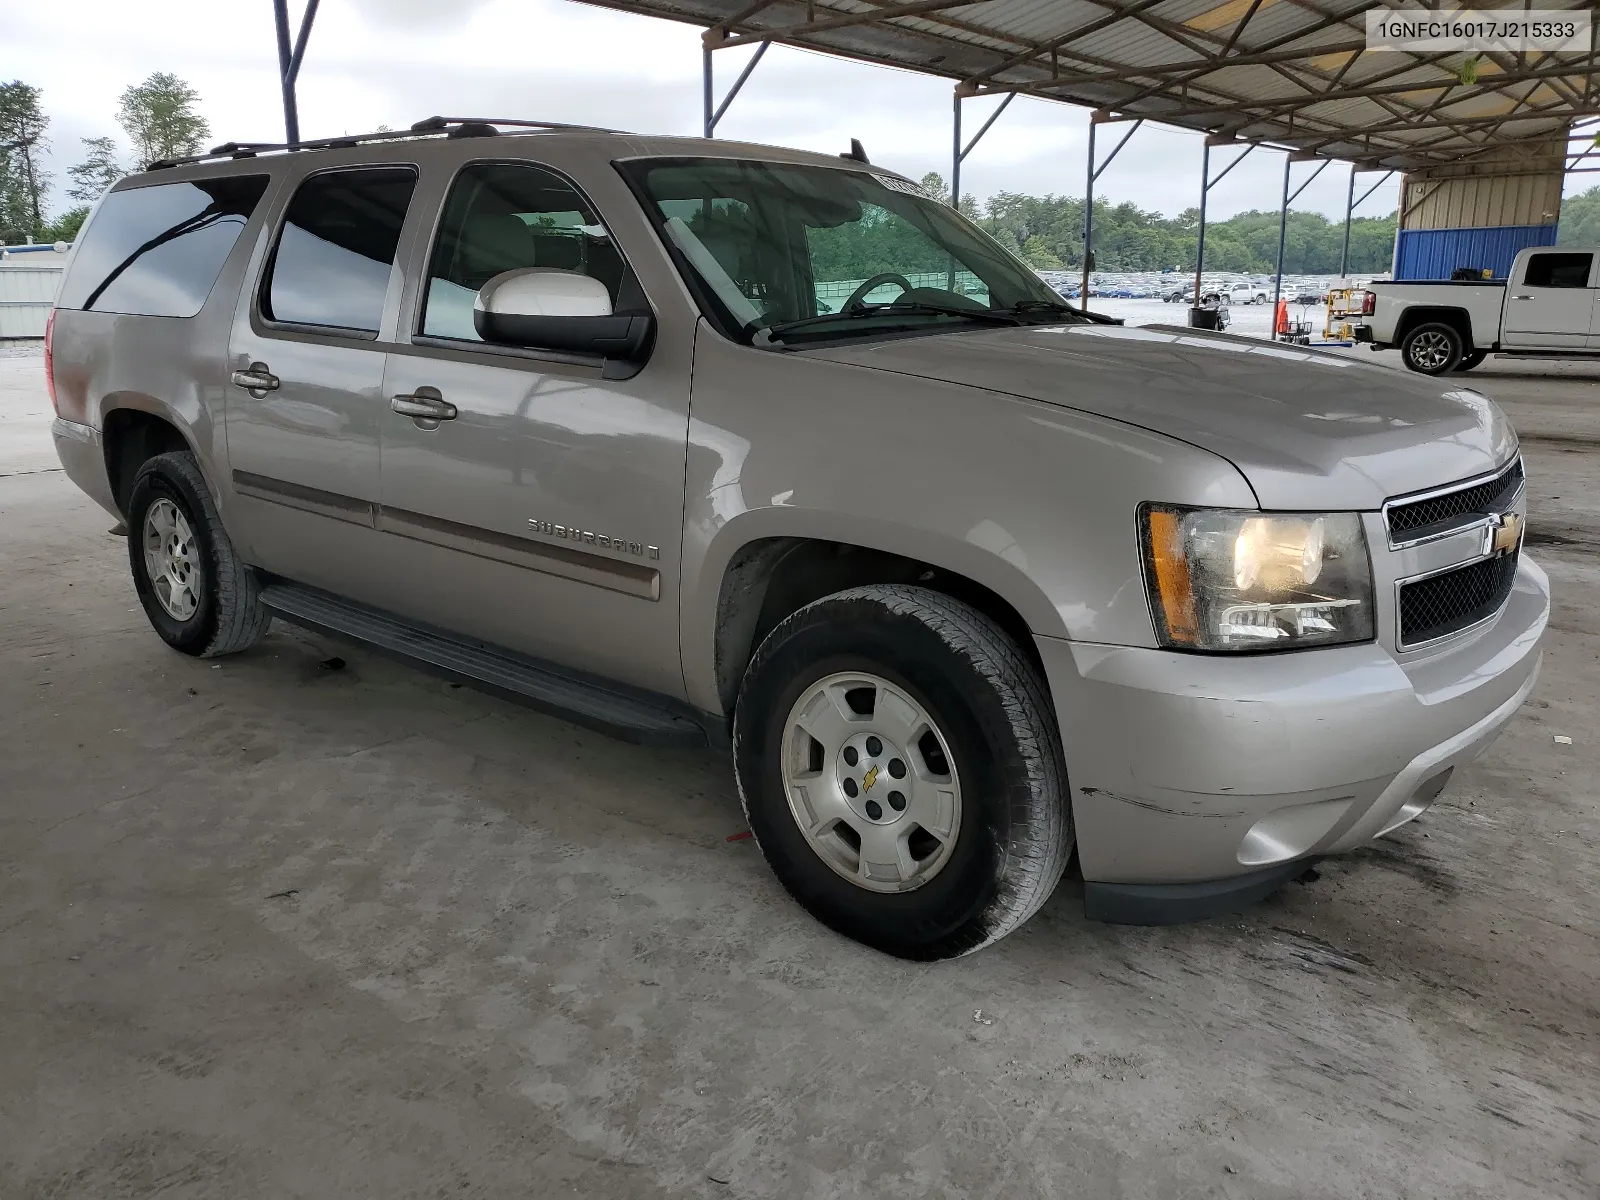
1015 832
1433 348
229 616
1471 360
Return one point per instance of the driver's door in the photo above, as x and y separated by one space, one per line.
544 512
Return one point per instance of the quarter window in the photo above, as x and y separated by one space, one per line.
157 251
505 217
337 249
1559 270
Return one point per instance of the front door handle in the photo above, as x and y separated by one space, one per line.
257 380
425 405
1522 297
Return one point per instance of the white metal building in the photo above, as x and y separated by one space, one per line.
29 279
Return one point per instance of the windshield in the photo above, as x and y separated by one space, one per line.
784 253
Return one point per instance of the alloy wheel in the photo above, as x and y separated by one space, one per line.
172 559
870 782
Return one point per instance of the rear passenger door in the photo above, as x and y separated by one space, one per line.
305 399
1552 305
544 513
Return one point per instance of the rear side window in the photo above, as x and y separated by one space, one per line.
157 251
336 252
1559 270
505 217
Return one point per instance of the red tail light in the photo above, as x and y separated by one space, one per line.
50 360
1369 304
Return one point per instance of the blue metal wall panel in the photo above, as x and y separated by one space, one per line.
1435 253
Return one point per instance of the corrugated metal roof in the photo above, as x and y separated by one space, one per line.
1292 72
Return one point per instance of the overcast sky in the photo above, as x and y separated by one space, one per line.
391 62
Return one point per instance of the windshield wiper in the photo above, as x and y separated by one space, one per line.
988 316
1022 306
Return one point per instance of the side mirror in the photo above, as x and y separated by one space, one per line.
548 309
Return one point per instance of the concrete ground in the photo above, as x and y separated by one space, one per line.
269 929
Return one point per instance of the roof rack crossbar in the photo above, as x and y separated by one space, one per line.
423 127
429 124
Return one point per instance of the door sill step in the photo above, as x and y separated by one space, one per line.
627 714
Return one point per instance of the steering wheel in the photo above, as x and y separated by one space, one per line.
870 285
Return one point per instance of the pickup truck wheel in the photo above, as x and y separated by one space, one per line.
899 764
1432 349
199 596
1471 360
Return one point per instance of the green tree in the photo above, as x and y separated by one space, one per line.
22 183
65 227
160 119
1580 219
93 177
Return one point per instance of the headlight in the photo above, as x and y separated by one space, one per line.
1222 580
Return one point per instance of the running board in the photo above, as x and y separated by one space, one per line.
631 716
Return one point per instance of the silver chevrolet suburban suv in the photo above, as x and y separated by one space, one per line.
701 442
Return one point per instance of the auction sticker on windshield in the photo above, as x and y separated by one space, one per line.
901 185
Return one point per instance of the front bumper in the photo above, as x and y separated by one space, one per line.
1197 769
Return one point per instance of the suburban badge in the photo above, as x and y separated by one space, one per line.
588 537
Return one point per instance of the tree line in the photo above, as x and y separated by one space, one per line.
1047 232
159 118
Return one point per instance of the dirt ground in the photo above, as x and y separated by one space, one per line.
270 929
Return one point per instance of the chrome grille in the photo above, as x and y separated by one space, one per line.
1440 605
1416 518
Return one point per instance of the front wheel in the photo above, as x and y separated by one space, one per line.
1432 349
900 766
1471 360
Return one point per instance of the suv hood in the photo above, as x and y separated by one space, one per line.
1308 429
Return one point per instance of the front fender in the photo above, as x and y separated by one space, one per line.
1035 502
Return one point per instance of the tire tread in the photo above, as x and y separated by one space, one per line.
1039 847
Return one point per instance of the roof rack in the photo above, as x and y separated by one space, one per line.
454 127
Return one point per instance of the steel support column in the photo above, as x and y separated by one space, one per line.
1350 206
1283 221
1092 173
713 112
958 152
289 60
1206 184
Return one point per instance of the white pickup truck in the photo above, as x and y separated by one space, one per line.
1549 306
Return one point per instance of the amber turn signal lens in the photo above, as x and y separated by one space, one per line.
1171 570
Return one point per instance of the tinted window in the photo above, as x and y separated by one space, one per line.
502 218
799 251
157 251
1559 270
337 248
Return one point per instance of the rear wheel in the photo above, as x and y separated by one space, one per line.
1432 349
196 592
899 763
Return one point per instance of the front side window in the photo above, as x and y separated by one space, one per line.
787 253
1559 270
505 217
157 251
336 253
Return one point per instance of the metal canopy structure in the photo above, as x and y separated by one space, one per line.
1292 73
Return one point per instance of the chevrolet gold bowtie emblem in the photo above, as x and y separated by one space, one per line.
870 778
1505 535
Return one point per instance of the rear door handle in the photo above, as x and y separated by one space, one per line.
257 380
424 405
1522 297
